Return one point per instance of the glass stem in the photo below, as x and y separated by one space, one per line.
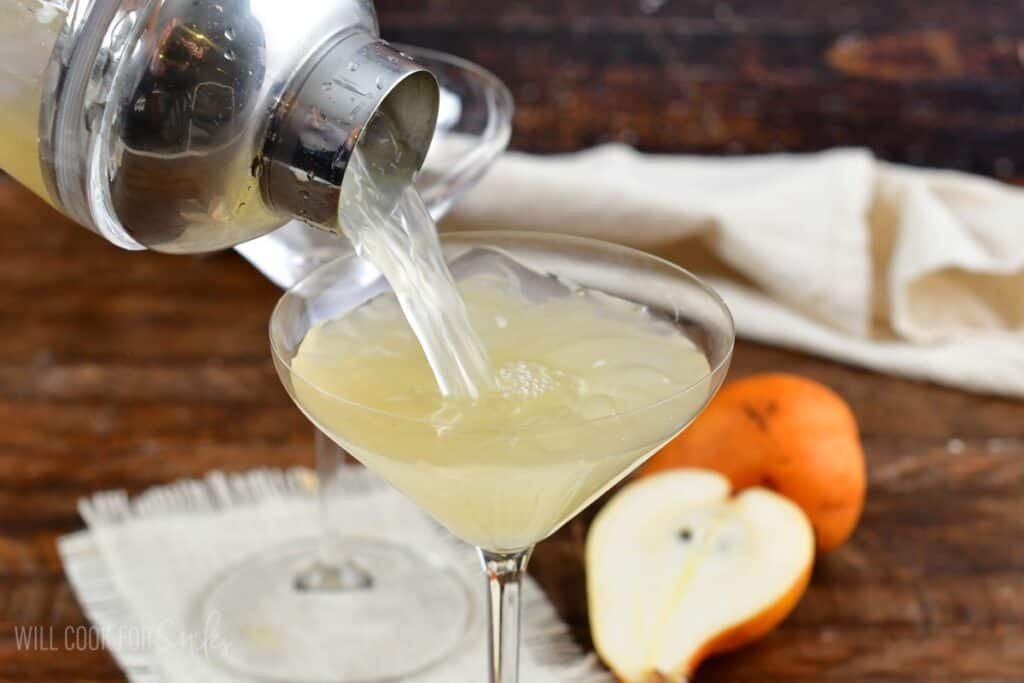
328 465
504 581
329 572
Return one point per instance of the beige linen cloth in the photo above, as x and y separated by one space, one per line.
913 272
142 567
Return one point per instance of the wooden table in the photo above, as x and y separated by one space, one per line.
128 370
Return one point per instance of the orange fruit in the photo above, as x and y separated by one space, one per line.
785 433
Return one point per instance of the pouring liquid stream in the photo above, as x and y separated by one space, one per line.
388 224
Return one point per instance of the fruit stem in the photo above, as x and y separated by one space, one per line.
504 581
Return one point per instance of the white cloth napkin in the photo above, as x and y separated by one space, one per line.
143 564
914 272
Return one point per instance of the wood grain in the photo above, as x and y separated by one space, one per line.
128 370
937 83
122 370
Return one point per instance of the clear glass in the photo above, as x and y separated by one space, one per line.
624 440
347 575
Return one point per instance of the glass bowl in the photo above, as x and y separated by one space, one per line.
503 485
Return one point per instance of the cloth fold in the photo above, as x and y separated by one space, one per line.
902 270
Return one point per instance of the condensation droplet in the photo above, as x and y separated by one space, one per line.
379 83
229 55
353 66
327 86
229 33
304 194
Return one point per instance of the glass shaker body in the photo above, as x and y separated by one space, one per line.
194 125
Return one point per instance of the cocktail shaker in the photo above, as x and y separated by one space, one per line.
187 126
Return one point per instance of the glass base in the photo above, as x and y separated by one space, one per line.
404 612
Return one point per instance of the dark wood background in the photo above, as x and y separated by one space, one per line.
127 370
934 82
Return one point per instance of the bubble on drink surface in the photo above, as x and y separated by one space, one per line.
525 379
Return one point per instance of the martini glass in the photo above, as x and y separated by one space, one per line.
326 587
504 509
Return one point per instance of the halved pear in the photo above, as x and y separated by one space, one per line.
678 569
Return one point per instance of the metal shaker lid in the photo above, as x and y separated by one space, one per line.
358 88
